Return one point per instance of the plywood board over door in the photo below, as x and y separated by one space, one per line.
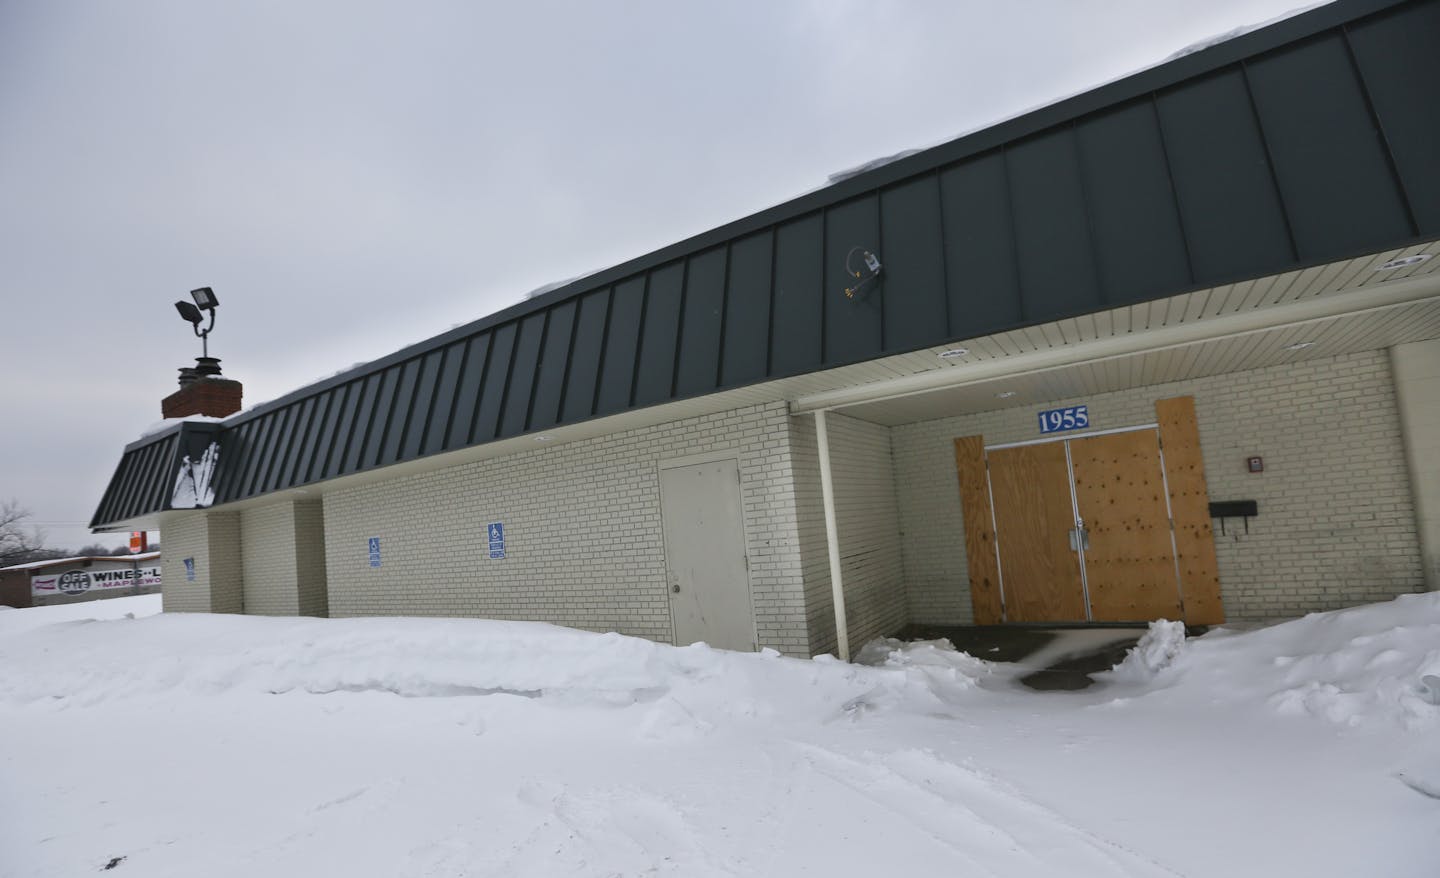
1120 498
1030 490
979 535
1190 506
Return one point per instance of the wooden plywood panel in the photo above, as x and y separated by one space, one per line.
1190 507
979 536
1030 489
1120 495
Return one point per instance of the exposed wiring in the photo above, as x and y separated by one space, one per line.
870 263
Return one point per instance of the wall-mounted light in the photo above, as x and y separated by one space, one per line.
953 353
1300 346
1404 262
862 265
1005 394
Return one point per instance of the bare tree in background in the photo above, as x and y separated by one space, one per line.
18 544
100 550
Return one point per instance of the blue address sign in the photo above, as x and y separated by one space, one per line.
1074 417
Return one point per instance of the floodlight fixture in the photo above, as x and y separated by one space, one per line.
189 312
205 300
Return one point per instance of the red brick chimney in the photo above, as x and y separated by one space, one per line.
203 391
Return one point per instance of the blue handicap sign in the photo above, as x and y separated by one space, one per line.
496 532
374 551
190 569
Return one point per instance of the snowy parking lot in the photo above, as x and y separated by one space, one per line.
197 745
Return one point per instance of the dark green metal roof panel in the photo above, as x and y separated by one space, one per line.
1399 64
443 407
1125 174
659 335
554 358
746 343
523 368
583 375
697 366
982 270
146 478
912 308
1224 189
1335 179
852 325
798 306
497 374
1308 141
618 359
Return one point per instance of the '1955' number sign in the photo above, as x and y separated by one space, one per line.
1075 417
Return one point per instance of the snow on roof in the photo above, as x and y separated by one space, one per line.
56 562
1197 46
162 426
1201 45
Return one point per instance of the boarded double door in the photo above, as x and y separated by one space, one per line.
1083 530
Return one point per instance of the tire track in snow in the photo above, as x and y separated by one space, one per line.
993 828
612 831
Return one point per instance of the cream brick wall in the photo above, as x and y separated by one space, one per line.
213 540
312 588
1336 525
267 542
867 520
584 545
283 552
1417 387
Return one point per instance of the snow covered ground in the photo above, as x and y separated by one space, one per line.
227 746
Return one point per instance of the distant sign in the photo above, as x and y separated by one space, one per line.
190 569
496 532
77 582
374 548
1075 417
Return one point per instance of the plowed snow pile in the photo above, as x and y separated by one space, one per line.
1360 667
217 746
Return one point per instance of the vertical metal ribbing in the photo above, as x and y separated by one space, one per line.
944 250
1080 529
1091 247
1390 164
724 317
995 530
1269 161
679 326
1154 102
534 376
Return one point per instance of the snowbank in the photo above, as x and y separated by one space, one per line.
1156 651
232 746
15 621
1364 666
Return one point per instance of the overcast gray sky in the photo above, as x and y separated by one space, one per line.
352 177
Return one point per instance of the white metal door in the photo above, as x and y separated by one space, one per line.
708 582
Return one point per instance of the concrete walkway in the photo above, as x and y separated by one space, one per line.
1059 659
